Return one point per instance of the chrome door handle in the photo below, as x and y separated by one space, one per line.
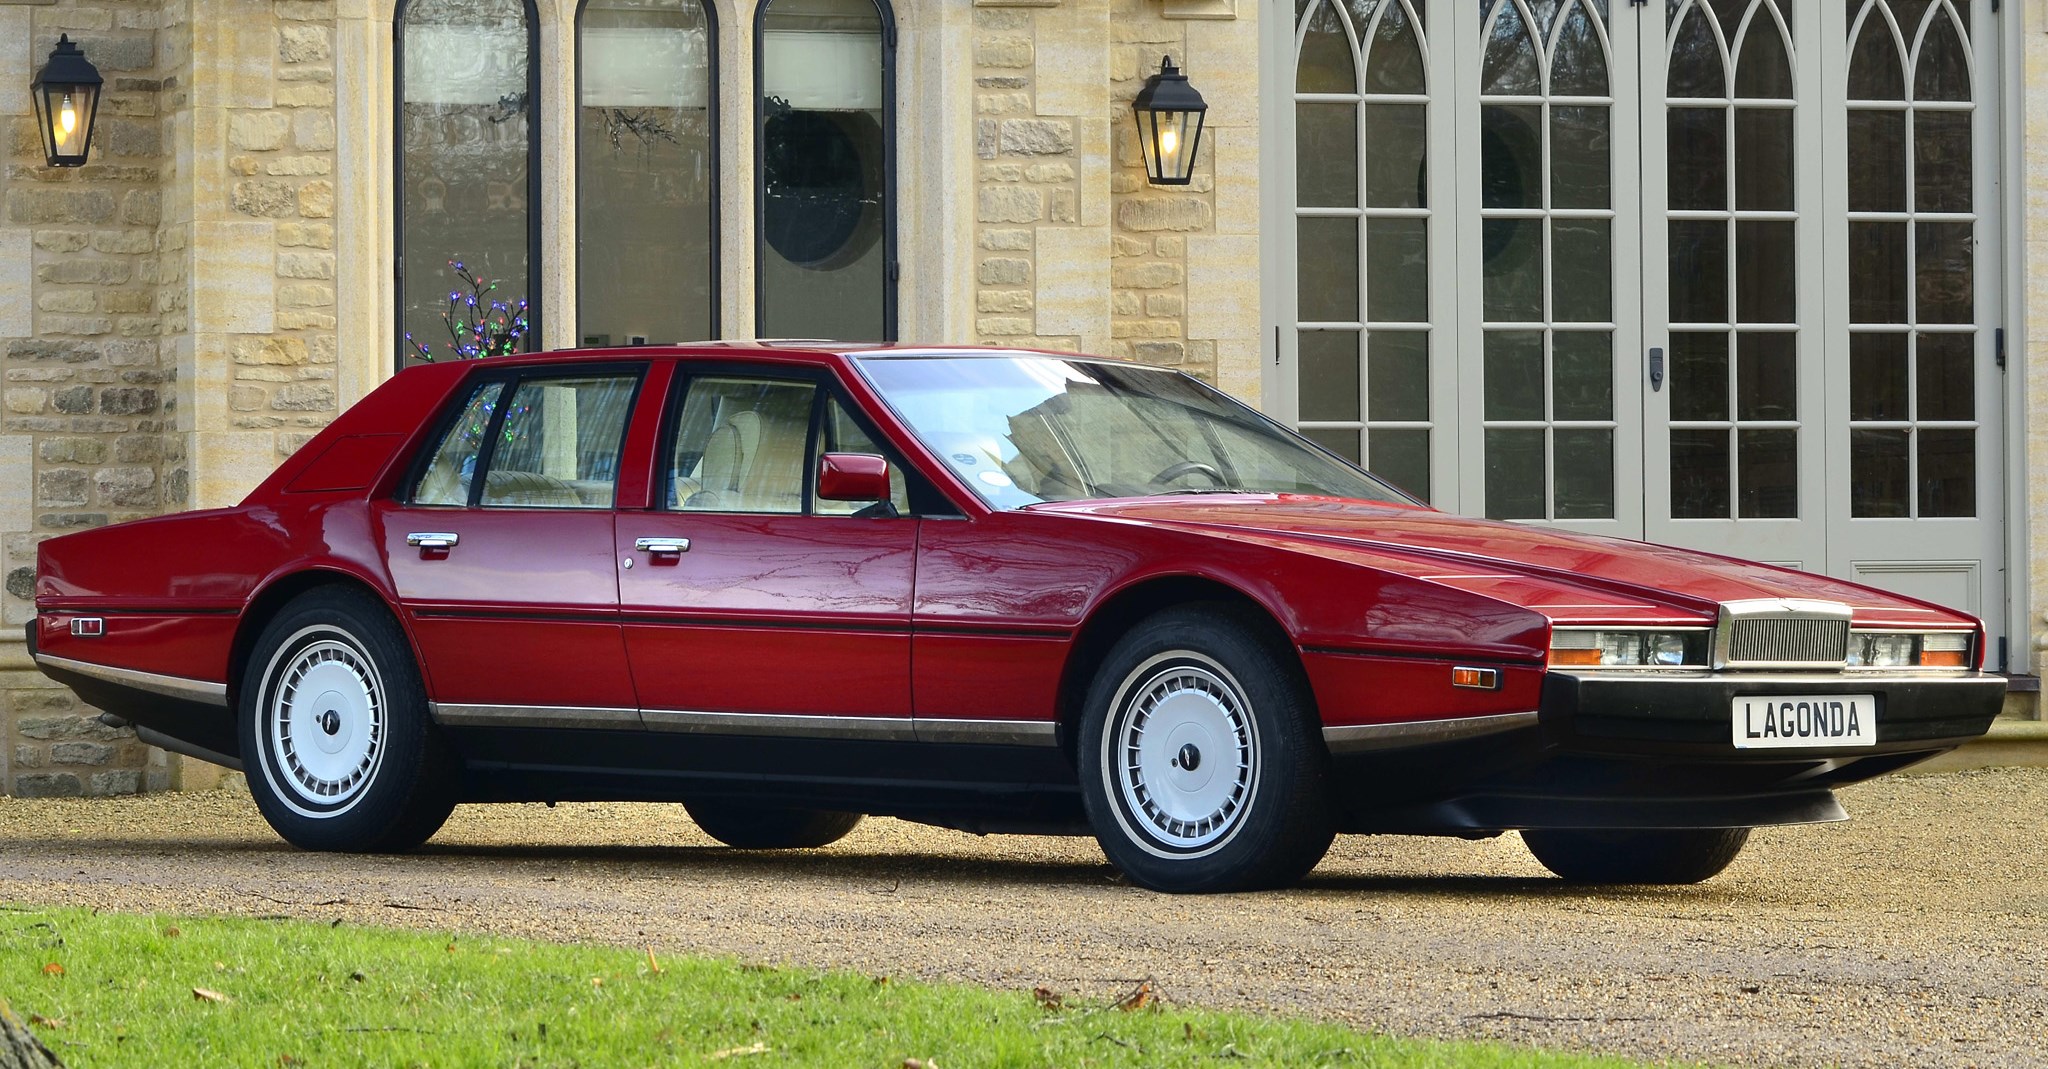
433 539
662 545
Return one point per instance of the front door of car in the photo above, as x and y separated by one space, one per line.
500 547
749 606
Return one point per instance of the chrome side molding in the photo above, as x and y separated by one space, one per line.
1359 738
191 690
536 716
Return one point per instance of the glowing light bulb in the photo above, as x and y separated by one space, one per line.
1169 142
67 117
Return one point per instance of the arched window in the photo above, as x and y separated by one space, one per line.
468 159
646 172
825 170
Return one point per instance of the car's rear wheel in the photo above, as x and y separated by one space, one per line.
337 744
1662 855
753 827
1201 766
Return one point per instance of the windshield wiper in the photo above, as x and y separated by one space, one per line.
1208 490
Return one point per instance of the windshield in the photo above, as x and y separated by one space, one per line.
1024 429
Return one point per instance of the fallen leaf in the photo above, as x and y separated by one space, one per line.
451 948
171 933
736 1052
1048 999
286 1061
920 1063
46 1022
208 995
220 966
53 969
653 966
793 997
1139 998
597 981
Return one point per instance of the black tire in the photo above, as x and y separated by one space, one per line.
1677 855
753 827
1216 691
389 783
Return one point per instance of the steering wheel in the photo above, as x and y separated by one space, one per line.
1189 467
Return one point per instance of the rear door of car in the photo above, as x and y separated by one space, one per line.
750 607
500 547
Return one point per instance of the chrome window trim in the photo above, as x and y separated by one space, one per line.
191 690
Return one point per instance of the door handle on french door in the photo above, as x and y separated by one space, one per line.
1656 368
662 545
433 539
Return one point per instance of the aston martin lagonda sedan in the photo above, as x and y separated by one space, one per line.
999 591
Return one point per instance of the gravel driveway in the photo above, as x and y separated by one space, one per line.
1914 935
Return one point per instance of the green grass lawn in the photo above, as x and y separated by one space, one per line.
126 990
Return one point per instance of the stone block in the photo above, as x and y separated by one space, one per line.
128 401
304 44
305 295
138 449
265 199
28 756
299 166
116 781
73 400
313 130
1126 303
1003 103
1002 172
142 207
1051 171
1003 301
62 488
315 265
68 300
1073 281
62 240
31 205
1148 276
305 235
127 487
1036 137
1064 206
1006 240
304 397
233 279
27 400
313 95
72 450
1223 286
1002 327
48 785
986 134
1002 51
1183 213
267 349
1004 204
1073 59
74 272
81 753
316 199
122 242
1169 353
1004 271
258 131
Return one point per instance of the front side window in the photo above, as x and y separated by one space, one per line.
838 432
646 172
1026 429
468 153
824 182
741 446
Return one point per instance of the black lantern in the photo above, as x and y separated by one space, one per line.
67 96
1169 114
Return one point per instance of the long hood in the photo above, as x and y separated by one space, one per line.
1569 577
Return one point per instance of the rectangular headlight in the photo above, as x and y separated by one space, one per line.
1627 648
1909 649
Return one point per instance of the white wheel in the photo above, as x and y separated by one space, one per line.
324 720
1201 767
335 736
1186 753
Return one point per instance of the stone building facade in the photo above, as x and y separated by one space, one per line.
220 280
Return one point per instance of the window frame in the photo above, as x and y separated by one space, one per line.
927 501
534 289
713 113
892 266
512 379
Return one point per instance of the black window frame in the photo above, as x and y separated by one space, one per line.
534 310
713 113
892 267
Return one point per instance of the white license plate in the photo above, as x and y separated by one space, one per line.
1805 720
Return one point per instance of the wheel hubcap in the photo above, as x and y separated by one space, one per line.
326 718
1185 756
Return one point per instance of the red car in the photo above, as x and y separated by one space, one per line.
998 591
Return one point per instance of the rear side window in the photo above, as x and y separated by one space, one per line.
538 443
448 475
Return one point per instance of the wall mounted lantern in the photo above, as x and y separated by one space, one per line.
1169 114
67 97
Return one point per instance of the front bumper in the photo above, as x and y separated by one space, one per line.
1689 713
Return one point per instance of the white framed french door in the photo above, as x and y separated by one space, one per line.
1717 273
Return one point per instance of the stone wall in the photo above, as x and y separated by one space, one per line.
1075 249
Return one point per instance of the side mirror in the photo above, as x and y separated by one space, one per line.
853 477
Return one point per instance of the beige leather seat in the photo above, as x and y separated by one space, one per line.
754 462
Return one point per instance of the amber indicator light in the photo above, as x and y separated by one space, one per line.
1479 678
1562 656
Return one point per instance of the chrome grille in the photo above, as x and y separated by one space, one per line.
1794 641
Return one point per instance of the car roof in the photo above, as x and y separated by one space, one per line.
784 350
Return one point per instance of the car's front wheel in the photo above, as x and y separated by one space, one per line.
1201 766
753 827
1662 855
337 744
